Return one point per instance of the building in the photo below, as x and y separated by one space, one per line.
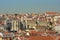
14 25
1 36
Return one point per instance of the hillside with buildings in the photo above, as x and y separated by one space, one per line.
26 25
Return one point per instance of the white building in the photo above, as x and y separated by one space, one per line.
14 25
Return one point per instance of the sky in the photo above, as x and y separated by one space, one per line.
23 6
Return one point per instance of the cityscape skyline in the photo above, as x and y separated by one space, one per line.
23 6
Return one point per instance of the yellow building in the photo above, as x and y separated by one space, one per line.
1 36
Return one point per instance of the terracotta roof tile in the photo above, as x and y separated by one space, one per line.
51 12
